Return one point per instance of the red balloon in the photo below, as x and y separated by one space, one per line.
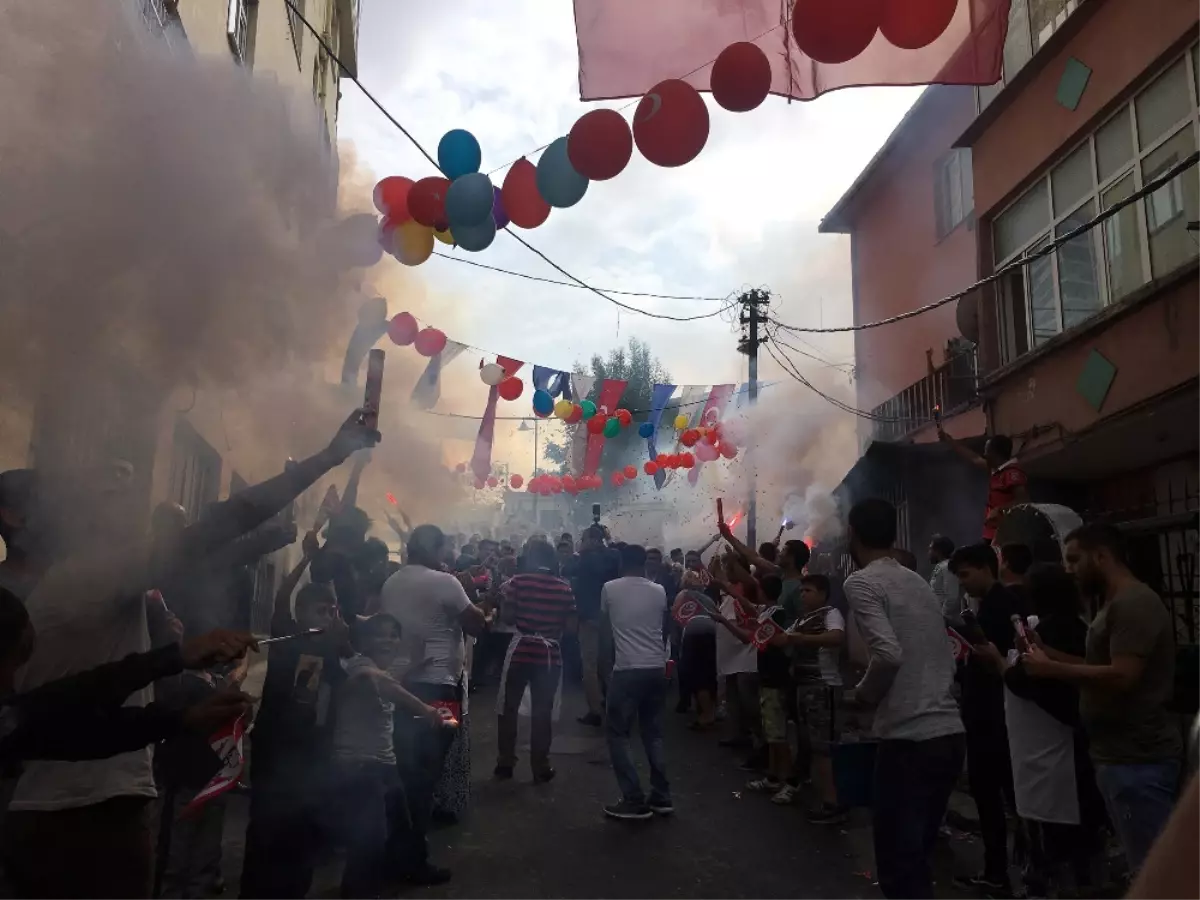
687 460
522 201
427 200
391 198
429 342
661 459
689 437
492 481
741 77
913 24
728 451
835 33
670 124
630 472
600 144
568 482
650 468
403 329
556 487
624 416
595 424
511 388
617 479
675 461
575 416
478 484
516 481
460 468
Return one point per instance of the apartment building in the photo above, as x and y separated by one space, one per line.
1087 357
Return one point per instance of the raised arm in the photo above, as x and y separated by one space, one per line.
746 553
350 495
282 621
962 449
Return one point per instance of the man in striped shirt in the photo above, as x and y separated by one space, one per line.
542 606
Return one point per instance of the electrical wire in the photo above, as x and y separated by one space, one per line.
790 369
1146 189
544 280
578 281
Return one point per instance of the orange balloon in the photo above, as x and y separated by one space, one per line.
630 472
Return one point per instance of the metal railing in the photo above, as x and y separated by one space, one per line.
950 387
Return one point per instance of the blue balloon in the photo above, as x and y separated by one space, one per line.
458 153
475 237
469 200
645 430
498 213
543 403
557 181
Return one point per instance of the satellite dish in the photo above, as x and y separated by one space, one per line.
966 313
1036 525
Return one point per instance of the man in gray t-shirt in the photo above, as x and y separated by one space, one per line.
635 608
921 744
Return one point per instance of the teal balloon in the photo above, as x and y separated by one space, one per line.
458 153
475 237
557 181
612 427
646 430
588 408
469 201
543 403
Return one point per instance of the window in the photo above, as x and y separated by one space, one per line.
1031 23
1144 240
241 18
953 190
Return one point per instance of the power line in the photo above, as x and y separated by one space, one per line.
470 262
790 369
583 284
1016 264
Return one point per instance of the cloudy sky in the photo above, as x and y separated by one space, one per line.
744 213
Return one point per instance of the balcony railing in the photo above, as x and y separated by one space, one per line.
950 387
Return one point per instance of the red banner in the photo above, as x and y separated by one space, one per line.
227 744
607 400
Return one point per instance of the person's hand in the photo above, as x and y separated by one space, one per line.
353 435
778 639
211 713
789 524
175 629
310 545
221 645
1037 663
724 530
288 533
990 654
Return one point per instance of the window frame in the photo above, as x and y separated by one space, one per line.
1020 27
1100 245
951 171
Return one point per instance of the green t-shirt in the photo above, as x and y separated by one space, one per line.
1133 726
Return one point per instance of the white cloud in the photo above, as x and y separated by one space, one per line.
743 213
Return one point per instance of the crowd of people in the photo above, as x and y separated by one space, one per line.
361 739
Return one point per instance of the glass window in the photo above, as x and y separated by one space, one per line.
1172 206
1039 288
1114 145
1122 242
953 193
1071 179
1163 104
1022 221
1078 275
1018 48
1046 16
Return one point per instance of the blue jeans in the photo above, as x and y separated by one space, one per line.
913 782
1139 797
637 694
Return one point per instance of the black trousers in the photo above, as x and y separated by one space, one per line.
543 685
376 826
913 782
421 749
285 833
989 773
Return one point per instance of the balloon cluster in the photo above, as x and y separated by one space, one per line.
711 440
545 485
403 329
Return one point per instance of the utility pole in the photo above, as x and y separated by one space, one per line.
754 305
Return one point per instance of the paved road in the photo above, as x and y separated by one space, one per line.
521 840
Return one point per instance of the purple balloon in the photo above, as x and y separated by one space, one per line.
498 214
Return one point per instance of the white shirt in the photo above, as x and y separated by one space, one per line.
946 589
428 604
87 611
828 657
733 657
635 607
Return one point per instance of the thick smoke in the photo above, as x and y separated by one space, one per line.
171 228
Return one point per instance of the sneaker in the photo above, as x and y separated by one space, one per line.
763 785
502 773
541 776
986 885
827 815
591 719
785 796
427 876
629 811
660 807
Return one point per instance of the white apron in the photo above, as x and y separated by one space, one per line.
1043 762
526 708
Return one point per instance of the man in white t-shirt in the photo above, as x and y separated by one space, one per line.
636 610
434 613
737 664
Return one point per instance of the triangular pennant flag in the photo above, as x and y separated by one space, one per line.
428 387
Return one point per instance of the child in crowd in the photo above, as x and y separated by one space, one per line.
374 816
817 642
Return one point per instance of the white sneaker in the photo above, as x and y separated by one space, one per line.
785 796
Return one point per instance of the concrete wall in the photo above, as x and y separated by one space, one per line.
899 263
1120 41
